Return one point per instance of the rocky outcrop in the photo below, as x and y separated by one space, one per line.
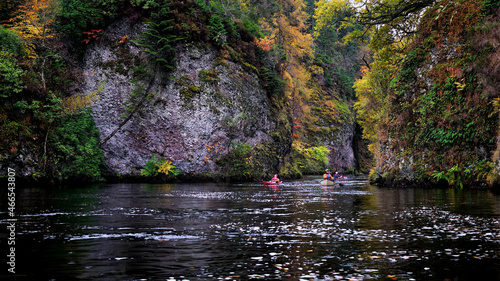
204 104
341 156
440 125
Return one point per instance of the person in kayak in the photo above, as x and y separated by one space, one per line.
328 175
275 179
336 176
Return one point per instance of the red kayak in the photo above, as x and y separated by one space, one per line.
271 182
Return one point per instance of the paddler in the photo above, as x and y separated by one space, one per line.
328 175
275 179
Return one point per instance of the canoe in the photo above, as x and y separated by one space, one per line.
271 183
327 182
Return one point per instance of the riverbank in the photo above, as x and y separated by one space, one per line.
182 178
430 183
391 182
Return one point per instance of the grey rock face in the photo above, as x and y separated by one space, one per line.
199 104
341 156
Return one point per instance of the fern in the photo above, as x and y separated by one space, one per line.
217 30
159 39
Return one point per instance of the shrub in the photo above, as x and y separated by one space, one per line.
310 159
76 154
10 75
10 42
156 165
239 162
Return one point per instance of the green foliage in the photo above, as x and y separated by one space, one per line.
337 60
320 153
75 151
14 132
489 6
10 75
422 96
310 159
46 110
159 39
10 42
145 4
485 171
157 165
252 26
442 117
240 162
78 16
218 32
273 84
479 172
151 167
455 176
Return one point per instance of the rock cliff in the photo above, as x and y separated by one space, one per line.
441 125
341 156
194 112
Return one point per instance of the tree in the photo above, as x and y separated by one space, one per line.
34 23
10 42
389 25
10 71
10 75
293 47
401 15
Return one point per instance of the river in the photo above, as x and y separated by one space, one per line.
297 231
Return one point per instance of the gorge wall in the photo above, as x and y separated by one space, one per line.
196 112
442 123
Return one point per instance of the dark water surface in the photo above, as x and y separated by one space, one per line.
299 231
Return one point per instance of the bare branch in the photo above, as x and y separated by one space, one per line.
385 14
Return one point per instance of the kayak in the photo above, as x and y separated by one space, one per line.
331 183
271 182
327 182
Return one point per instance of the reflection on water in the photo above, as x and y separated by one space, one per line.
297 231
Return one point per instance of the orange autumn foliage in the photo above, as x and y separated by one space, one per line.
264 43
34 23
92 35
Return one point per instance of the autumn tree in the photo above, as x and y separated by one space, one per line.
388 26
34 23
292 48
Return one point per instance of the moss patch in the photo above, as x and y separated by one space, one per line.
187 88
209 76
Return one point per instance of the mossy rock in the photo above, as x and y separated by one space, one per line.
189 92
183 81
210 76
